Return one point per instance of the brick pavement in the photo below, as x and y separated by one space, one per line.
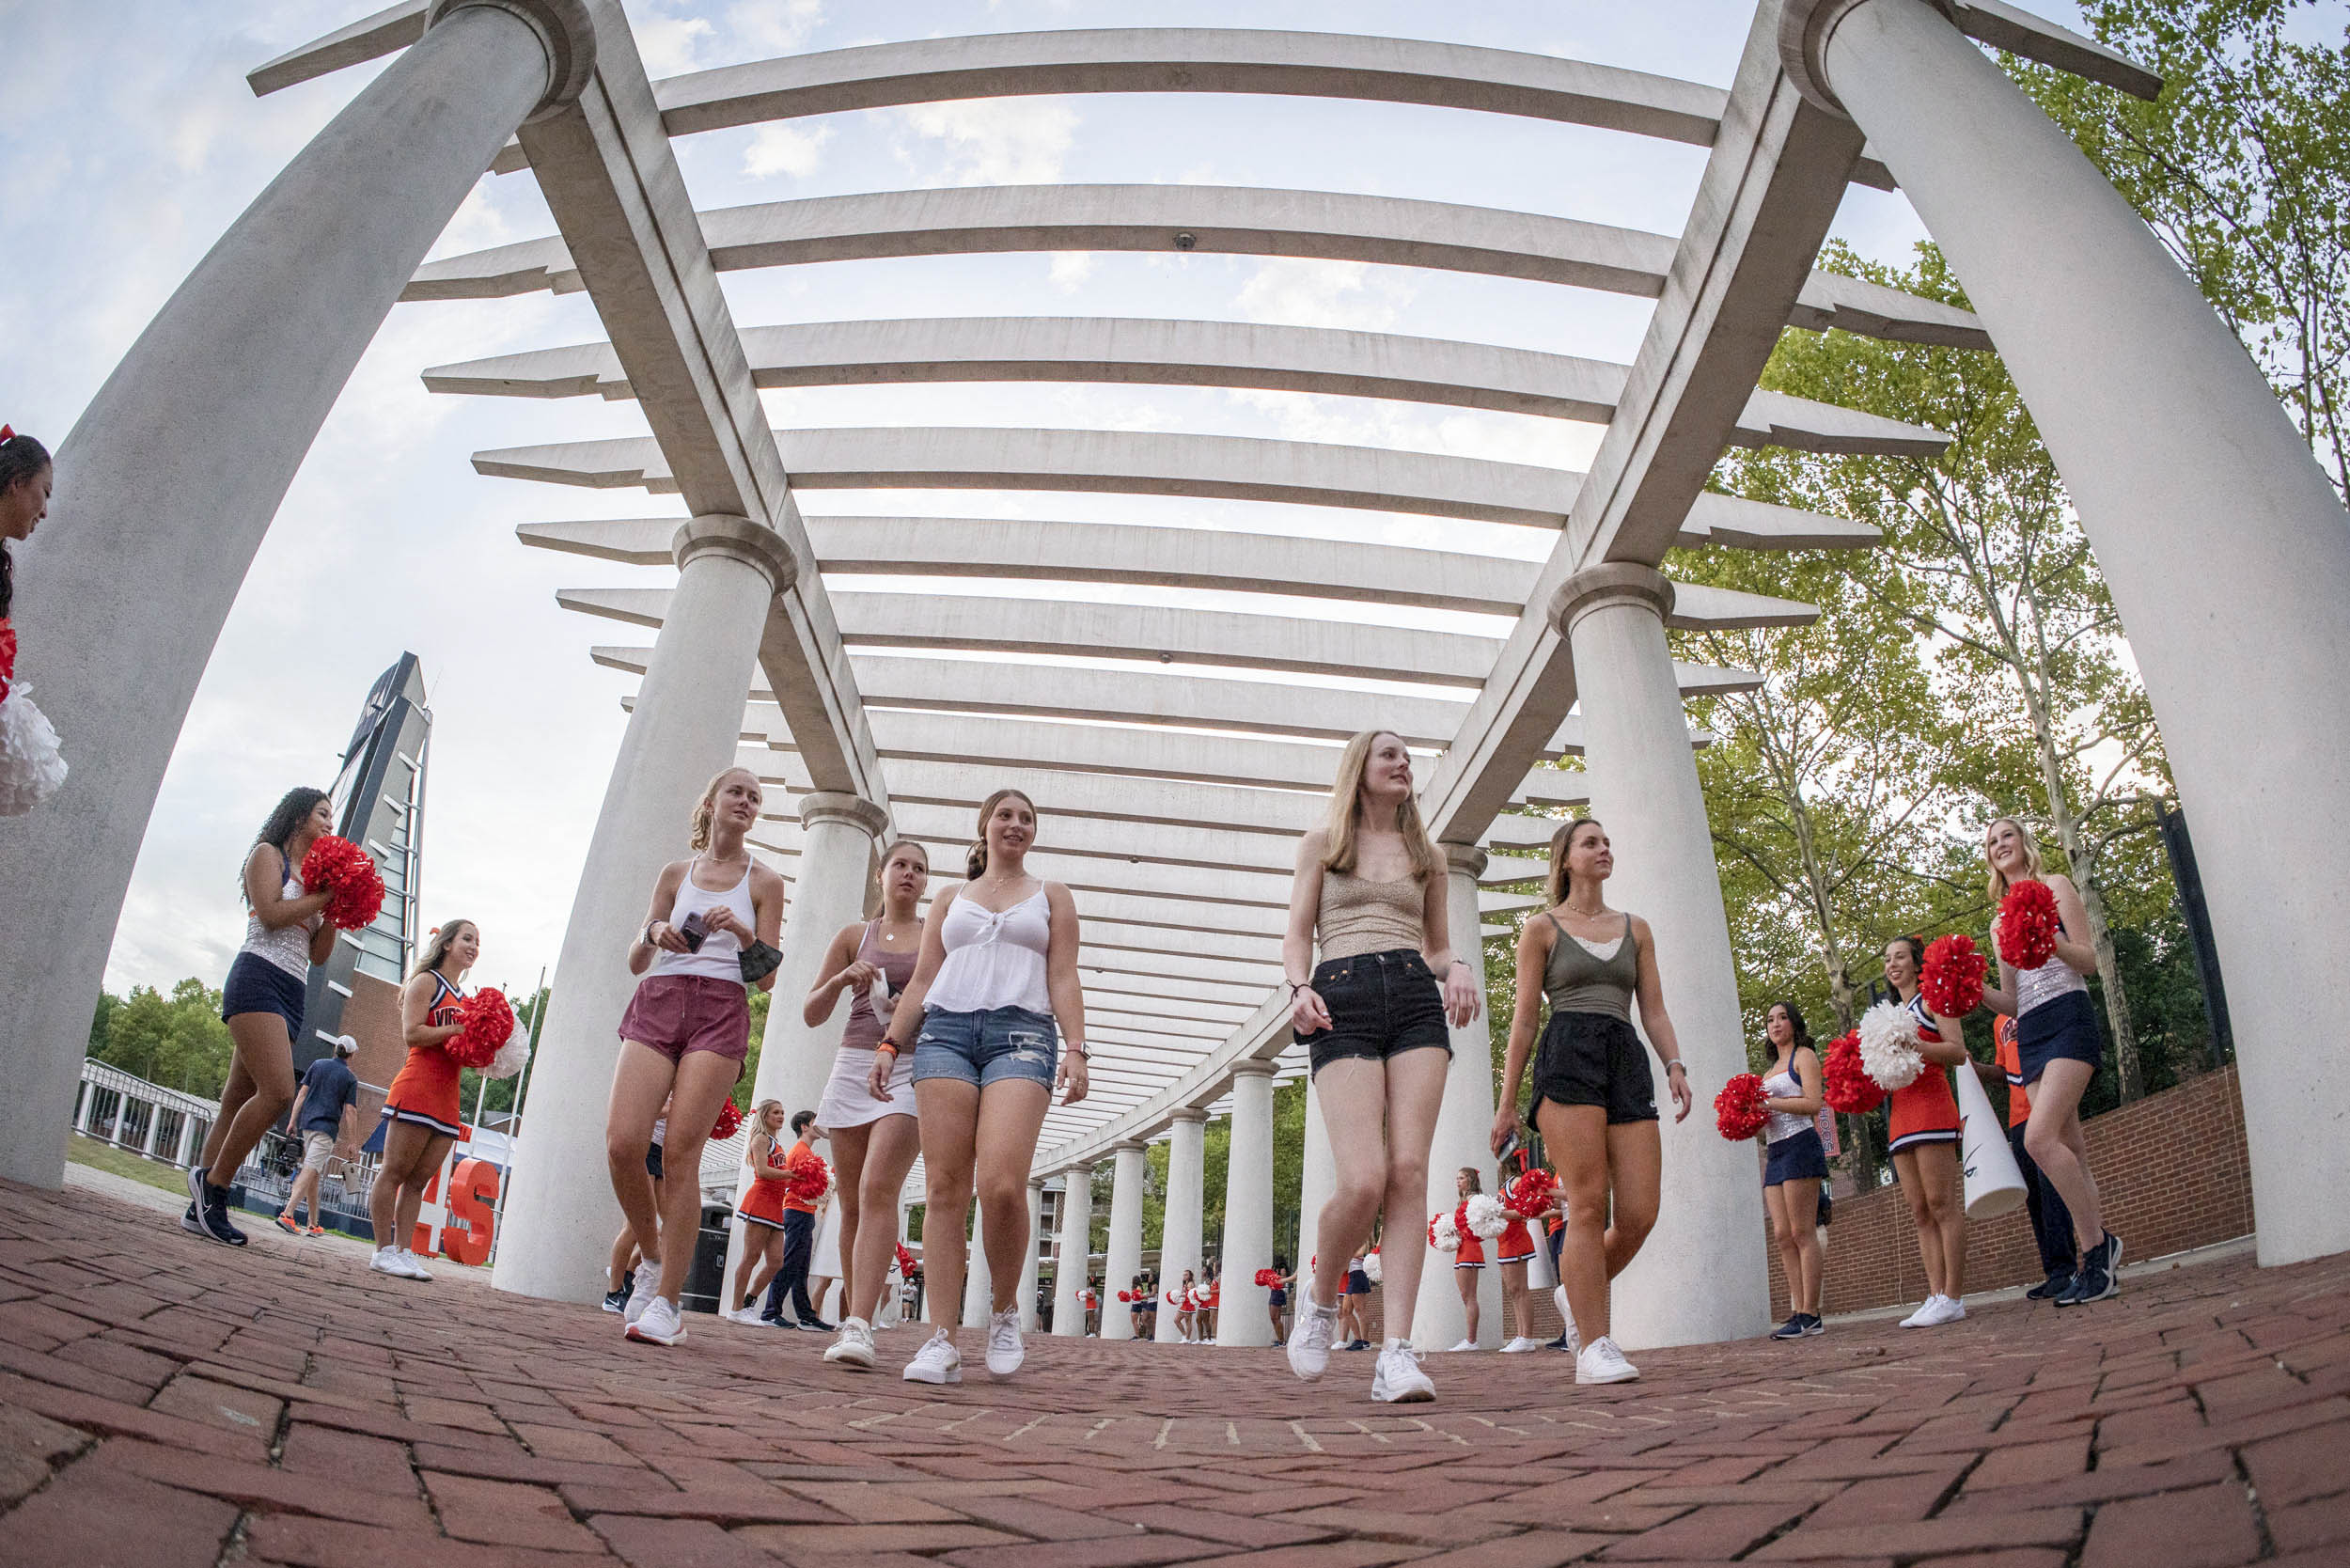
167 1402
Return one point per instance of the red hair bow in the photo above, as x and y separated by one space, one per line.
7 435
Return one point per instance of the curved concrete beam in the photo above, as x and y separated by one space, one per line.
1221 220
1158 352
955 457
1166 557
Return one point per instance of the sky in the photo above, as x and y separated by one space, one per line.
125 165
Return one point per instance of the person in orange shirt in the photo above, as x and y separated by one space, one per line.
804 1173
2051 1221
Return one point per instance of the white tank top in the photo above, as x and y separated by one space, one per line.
1784 1086
287 946
995 960
721 955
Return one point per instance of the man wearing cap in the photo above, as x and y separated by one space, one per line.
328 1102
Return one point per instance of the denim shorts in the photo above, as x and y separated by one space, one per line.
1380 1004
1000 1044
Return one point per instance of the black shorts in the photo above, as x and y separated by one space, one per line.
1594 1058
257 985
1358 1282
1380 1004
653 1161
1797 1158
2063 1028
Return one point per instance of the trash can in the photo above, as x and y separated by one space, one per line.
706 1278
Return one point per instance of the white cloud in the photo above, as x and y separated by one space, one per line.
774 26
1323 294
671 45
995 141
788 150
1070 269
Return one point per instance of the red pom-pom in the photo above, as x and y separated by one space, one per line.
1845 1085
809 1182
7 656
336 865
729 1121
1738 1109
1530 1194
1267 1277
486 1023
1951 981
907 1264
2028 925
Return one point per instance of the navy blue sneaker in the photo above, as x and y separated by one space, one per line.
1790 1329
2053 1286
214 1218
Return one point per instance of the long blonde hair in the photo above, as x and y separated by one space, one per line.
1998 881
1339 829
707 806
759 1122
1555 884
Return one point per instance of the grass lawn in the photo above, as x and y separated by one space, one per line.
121 1162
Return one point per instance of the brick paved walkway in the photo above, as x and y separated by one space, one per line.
167 1402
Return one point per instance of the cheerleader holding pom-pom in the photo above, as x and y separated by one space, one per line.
1796 1164
1908 1048
1531 1195
31 769
446 1032
1478 1220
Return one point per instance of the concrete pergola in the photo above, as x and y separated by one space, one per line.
1177 752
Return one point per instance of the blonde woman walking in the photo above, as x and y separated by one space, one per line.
422 1116
1370 888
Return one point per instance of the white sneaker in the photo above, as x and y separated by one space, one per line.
1572 1335
1005 1351
937 1361
854 1348
1925 1310
1602 1362
415 1264
1309 1341
1397 1379
386 1261
1520 1345
658 1324
1948 1308
646 1289
1464 1344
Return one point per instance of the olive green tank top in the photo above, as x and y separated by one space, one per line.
1577 979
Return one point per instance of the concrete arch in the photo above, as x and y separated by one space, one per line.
1159 353
1221 220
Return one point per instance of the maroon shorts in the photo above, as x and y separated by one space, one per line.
679 1014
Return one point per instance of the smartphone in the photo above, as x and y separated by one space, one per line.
1510 1146
694 930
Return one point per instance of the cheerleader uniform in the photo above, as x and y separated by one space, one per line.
2054 1019
1517 1243
1279 1298
763 1203
270 973
1926 1111
425 1091
1472 1253
1796 1153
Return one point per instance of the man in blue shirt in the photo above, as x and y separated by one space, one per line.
323 1113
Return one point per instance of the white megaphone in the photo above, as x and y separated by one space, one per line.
1994 1184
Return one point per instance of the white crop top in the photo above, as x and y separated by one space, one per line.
995 960
287 947
721 954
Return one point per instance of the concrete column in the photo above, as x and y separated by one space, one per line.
1179 1240
89 1099
978 1288
837 834
1240 1318
2226 550
155 1126
1701 1276
1028 1257
555 1233
1069 1259
169 479
186 1149
1465 1128
1125 1258
1316 1181
122 1119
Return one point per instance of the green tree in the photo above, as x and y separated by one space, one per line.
2242 167
177 1041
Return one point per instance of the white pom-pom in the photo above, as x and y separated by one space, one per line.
1443 1234
30 768
1487 1218
1888 1046
1370 1267
512 1055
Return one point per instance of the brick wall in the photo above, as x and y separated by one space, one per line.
2171 1171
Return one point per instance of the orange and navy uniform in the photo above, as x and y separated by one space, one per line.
1926 1111
764 1203
425 1090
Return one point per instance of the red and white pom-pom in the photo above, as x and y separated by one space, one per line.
1530 1192
904 1259
1739 1110
485 1023
2027 928
1443 1234
511 1056
809 1182
31 769
729 1121
1845 1084
1487 1217
1371 1265
1888 1046
336 865
1267 1277
1951 981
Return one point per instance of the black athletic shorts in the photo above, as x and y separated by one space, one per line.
1594 1058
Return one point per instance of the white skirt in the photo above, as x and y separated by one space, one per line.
847 1103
